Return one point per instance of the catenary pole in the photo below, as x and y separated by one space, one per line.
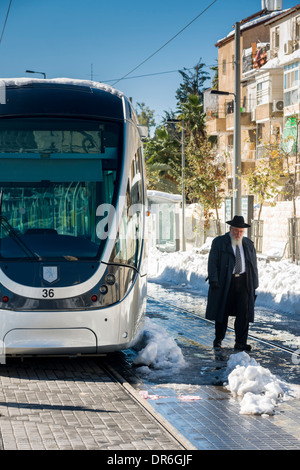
237 127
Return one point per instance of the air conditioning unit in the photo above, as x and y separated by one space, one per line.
288 47
278 105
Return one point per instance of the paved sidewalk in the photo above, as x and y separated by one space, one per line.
71 404
212 420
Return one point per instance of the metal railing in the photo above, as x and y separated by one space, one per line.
257 230
294 239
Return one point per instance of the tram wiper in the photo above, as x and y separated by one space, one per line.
17 239
14 235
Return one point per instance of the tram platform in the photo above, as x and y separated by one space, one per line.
195 401
74 404
77 404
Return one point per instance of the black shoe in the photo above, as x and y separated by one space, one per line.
242 347
217 343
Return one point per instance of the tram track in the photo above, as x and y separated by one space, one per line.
295 353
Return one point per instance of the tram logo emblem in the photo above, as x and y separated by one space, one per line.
50 273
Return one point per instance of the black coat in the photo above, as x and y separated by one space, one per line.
221 263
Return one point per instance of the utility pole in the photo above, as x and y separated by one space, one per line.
183 186
237 161
237 167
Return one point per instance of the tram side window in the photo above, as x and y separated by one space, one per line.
127 248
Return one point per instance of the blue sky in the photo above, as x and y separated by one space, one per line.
77 38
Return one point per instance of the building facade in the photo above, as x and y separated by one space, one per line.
270 98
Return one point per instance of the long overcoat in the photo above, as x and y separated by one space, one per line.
221 263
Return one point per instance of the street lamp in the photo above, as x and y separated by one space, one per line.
32 71
182 177
237 206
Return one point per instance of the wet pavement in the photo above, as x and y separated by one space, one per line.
194 399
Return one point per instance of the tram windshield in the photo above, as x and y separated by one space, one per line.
54 173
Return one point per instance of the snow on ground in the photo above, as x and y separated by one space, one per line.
258 390
279 281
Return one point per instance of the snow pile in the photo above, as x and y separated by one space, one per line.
21 81
186 268
157 350
260 391
279 285
279 281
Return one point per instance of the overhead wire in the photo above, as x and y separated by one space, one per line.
147 75
4 26
166 43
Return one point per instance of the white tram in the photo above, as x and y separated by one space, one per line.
72 213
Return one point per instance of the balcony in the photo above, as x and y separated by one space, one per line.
245 121
248 160
215 125
218 122
263 111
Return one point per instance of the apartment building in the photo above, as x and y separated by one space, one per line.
270 99
284 57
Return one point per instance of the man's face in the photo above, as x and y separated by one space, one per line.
237 233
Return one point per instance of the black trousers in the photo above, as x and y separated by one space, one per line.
237 303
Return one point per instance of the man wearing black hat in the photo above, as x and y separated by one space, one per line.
233 278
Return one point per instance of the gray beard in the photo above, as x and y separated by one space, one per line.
236 242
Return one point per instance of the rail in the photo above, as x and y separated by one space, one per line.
256 338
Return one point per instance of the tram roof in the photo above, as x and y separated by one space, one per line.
59 97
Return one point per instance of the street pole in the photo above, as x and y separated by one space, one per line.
183 184
237 167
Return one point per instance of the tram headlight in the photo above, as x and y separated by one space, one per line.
110 279
103 289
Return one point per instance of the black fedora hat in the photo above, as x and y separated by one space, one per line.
238 221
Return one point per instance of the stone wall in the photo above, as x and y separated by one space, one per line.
276 222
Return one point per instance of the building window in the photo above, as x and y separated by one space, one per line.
259 94
260 132
276 38
262 94
229 107
224 66
291 84
297 28
260 140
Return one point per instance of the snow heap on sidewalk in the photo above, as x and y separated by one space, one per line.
259 390
157 350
